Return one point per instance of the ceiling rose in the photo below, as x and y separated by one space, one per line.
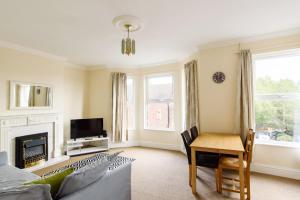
121 21
129 24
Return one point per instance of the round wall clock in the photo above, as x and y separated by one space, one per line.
218 77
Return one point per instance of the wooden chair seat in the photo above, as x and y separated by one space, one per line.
231 163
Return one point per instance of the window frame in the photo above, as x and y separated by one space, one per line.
260 56
146 100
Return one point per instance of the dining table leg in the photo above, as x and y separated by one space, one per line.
193 170
241 172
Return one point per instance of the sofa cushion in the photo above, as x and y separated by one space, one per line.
83 177
11 177
12 185
26 192
54 181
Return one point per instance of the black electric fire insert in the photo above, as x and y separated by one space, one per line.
31 150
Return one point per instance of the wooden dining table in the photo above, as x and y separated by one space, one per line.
222 143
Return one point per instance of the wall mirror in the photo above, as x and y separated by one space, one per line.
30 95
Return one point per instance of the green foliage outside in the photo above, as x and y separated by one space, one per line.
275 116
268 86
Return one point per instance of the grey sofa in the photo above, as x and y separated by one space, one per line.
114 185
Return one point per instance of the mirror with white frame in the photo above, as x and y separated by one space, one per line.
30 95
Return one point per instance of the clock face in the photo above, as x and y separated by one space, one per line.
218 77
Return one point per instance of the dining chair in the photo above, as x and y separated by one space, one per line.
194 132
231 163
203 159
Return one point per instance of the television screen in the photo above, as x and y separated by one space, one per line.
81 128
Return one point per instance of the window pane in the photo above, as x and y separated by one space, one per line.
277 98
130 90
130 103
159 102
160 87
160 115
131 117
277 119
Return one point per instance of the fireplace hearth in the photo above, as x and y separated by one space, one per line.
31 150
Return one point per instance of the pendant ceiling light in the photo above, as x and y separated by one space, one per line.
128 44
129 24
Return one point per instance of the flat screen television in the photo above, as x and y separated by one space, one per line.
82 128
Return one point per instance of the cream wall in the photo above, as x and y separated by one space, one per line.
75 96
68 82
217 111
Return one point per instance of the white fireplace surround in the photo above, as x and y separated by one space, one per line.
20 125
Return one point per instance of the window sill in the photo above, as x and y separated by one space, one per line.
277 143
164 130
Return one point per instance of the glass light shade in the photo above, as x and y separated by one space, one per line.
133 46
123 46
128 46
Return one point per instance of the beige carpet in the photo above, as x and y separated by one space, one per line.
163 175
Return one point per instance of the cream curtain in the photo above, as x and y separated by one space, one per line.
18 95
48 97
245 116
192 99
31 99
119 107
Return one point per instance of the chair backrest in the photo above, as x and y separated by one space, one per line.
194 132
187 140
249 147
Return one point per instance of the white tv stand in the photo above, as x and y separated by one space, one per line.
86 145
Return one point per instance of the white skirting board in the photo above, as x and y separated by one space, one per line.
124 144
160 146
276 170
146 144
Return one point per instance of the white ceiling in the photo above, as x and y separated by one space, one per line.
82 30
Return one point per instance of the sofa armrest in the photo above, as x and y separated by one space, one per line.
3 158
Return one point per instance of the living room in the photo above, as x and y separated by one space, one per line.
223 67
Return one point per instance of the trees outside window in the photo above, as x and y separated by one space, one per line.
277 97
